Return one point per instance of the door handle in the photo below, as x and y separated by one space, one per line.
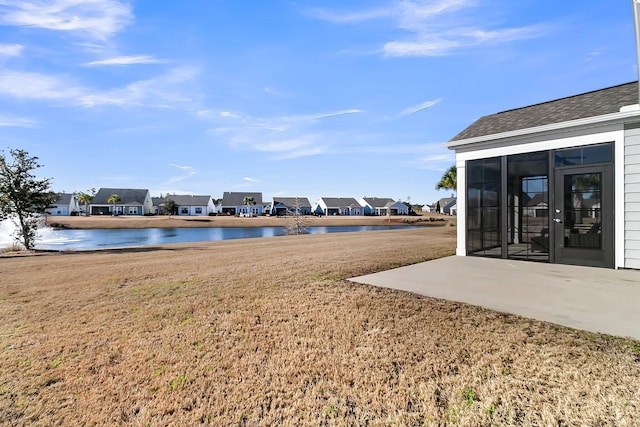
558 220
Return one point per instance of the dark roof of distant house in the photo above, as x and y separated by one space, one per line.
189 200
536 200
64 198
379 202
291 201
444 202
128 196
590 104
236 198
340 202
157 201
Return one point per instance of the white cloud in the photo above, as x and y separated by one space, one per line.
180 166
318 116
419 107
165 91
98 19
594 54
38 86
125 60
303 152
189 170
434 28
250 180
229 114
10 49
433 47
350 17
285 137
439 158
11 121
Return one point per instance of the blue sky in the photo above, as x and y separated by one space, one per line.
290 98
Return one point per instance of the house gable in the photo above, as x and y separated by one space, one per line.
234 199
131 200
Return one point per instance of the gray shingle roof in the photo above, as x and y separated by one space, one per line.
446 201
188 200
291 201
64 199
127 195
590 104
340 202
379 202
233 198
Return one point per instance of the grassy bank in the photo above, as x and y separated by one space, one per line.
267 332
163 221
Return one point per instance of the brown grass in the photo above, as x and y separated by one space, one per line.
162 221
268 332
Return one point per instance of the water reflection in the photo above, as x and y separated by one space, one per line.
54 239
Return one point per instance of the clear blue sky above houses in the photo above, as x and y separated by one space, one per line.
307 98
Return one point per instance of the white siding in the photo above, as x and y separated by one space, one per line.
632 198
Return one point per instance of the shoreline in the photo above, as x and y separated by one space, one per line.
162 221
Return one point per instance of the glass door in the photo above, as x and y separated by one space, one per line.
583 216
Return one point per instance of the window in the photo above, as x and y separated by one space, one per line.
198 210
484 236
184 211
601 153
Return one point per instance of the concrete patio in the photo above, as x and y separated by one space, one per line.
588 298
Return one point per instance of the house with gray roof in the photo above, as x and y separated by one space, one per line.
572 164
444 205
132 202
189 205
66 204
383 206
290 205
233 203
429 208
330 206
158 205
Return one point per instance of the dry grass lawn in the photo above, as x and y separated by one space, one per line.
267 332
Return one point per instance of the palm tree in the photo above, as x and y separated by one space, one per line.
114 198
86 199
449 180
248 202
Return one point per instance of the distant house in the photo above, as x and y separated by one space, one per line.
329 206
537 206
443 205
383 206
429 208
158 205
233 203
132 202
67 204
289 205
453 209
193 205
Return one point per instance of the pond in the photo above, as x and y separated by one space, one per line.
82 240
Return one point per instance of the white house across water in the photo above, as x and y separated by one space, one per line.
555 182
